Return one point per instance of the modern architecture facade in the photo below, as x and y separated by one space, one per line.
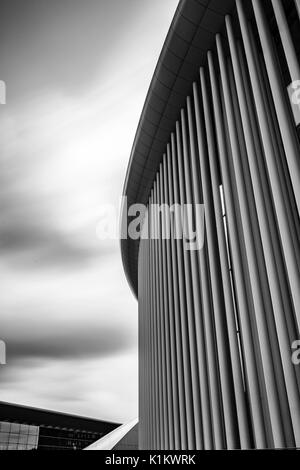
218 324
26 428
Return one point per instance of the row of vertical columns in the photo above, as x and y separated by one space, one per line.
297 3
166 312
201 179
217 322
286 38
252 260
280 309
184 305
291 148
289 136
211 199
191 297
144 362
245 307
155 352
181 341
164 434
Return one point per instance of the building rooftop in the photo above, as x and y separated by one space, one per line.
36 416
191 35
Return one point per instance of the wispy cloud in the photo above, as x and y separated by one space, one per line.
77 73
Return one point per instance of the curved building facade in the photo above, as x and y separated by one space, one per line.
218 325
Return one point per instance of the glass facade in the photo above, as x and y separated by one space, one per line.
65 439
15 436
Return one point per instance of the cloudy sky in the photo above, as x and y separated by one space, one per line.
77 73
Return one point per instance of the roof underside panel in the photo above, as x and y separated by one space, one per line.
190 37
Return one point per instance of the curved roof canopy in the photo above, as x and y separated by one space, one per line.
110 440
191 35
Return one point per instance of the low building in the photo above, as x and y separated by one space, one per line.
26 428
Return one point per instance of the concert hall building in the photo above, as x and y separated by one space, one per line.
218 325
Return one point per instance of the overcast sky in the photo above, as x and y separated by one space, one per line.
77 74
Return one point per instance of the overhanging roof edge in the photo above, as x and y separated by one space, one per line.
138 194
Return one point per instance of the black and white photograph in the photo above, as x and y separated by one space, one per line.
150 229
